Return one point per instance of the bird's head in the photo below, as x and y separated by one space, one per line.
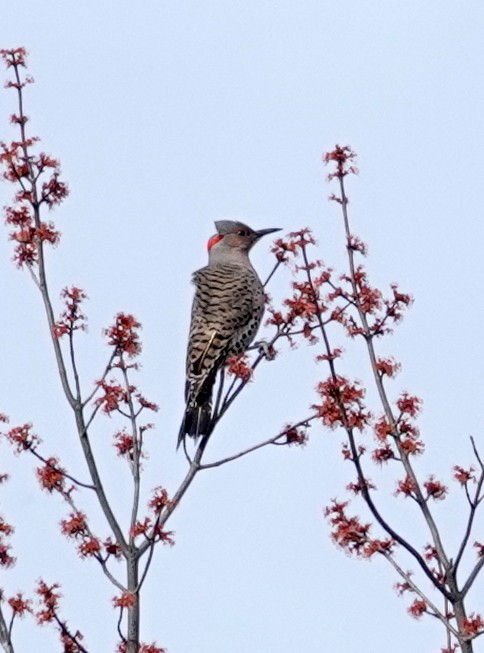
235 236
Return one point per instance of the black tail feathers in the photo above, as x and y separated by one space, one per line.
196 422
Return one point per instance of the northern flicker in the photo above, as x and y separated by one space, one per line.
227 311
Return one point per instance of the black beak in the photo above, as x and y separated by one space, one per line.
264 232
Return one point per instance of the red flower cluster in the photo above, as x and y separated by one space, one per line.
409 405
342 403
27 235
14 57
435 489
6 530
296 435
51 476
239 367
464 476
343 157
49 598
348 532
417 608
143 648
473 625
114 396
124 444
407 487
76 528
25 169
152 531
480 549
19 605
387 367
159 500
125 600
124 336
293 244
22 438
71 319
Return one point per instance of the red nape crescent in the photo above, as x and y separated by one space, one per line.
213 241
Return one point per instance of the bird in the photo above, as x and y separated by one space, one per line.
226 314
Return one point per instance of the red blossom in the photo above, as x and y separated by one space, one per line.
357 487
411 447
239 367
401 588
22 438
480 549
159 500
90 546
417 608
141 527
464 476
343 157
125 600
54 191
296 435
383 454
348 532
333 354
435 489
151 648
149 405
49 597
51 477
123 335
112 548
409 405
407 487
6 560
388 367
114 395
14 56
124 444
382 428
72 318
165 537
473 625
143 648
378 546
430 552
342 403
74 526
357 245
20 605
71 643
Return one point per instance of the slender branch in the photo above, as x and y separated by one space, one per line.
40 248
96 479
46 462
65 631
136 451
5 634
473 504
381 389
354 450
107 369
262 444
408 579
271 274
75 371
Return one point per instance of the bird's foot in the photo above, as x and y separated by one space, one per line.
265 349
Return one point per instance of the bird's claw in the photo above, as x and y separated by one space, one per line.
266 349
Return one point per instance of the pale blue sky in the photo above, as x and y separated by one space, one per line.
167 116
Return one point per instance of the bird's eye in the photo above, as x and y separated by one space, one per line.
242 232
